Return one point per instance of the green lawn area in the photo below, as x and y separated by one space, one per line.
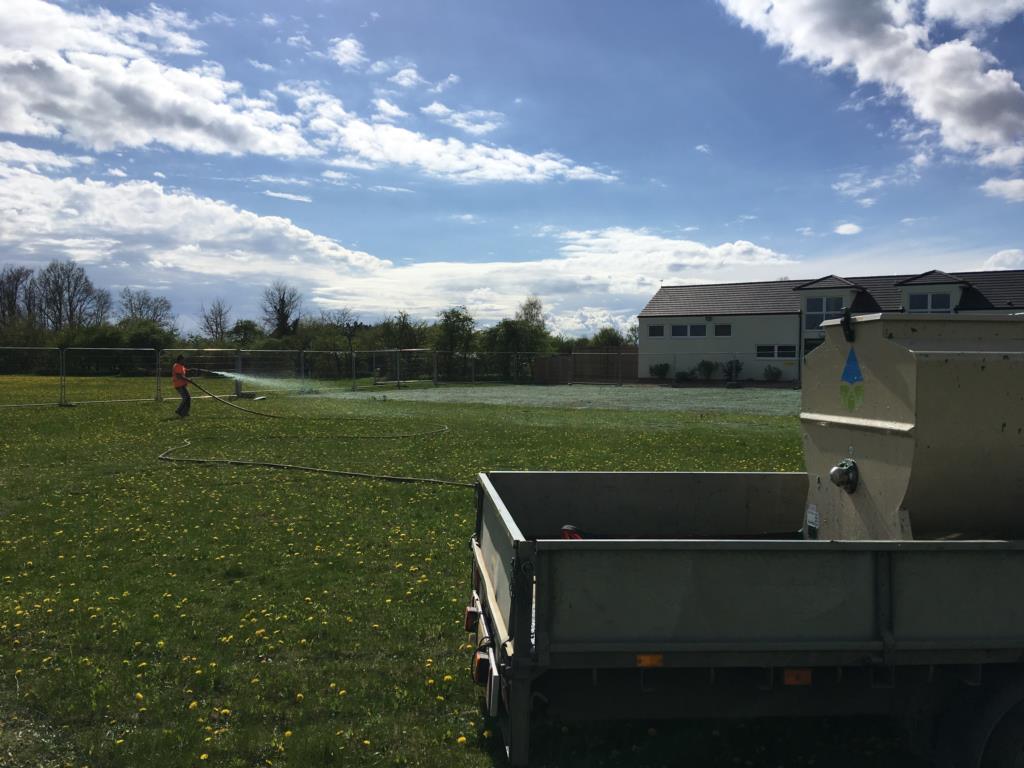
172 614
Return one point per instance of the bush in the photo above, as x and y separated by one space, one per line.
682 376
732 370
660 370
706 369
771 373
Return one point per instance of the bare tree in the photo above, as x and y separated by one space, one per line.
281 305
67 298
143 305
345 320
216 320
16 299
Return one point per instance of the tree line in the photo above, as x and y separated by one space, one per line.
58 305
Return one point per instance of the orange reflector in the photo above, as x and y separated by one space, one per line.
796 677
650 660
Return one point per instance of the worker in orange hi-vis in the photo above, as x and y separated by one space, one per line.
180 381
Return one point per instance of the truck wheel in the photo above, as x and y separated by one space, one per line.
1005 747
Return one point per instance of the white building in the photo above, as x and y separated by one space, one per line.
768 326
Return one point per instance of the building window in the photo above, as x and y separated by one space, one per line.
776 350
723 329
820 309
656 330
930 302
812 344
679 330
698 330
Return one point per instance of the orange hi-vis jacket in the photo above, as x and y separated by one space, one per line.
178 374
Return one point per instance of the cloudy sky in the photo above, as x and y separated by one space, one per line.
409 155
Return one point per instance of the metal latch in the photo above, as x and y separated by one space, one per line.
846 475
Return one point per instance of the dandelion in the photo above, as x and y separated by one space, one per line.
138 696
461 740
193 705
366 742
287 734
299 697
448 678
204 756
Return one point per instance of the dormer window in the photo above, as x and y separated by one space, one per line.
820 309
930 302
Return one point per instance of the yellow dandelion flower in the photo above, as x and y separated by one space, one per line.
287 734
193 704
204 756
138 696
299 697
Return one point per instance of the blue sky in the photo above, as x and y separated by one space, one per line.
419 155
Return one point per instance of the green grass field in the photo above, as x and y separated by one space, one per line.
171 614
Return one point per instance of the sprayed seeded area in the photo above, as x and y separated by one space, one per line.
153 613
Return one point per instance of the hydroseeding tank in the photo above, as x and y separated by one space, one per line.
852 589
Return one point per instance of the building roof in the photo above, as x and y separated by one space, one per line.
994 290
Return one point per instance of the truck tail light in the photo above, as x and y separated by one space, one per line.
481 667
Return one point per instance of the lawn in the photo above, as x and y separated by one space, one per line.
178 614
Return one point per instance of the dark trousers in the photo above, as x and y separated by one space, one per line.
186 402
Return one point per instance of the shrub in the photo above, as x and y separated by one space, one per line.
706 369
682 376
660 370
771 373
732 369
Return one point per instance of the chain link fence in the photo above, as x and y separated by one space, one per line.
51 376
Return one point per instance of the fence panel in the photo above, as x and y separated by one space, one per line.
30 376
97 375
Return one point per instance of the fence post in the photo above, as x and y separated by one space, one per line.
572 367
398 369
62 368
515 367
435 367
373 365
619 356
238 370
472 370
352 354
302 370
159 393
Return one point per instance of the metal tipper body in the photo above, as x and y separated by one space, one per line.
914 428
706 594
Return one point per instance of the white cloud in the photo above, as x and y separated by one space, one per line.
139 226
347 52
260 65
267 178
1012 258
467 218
159 175
407 77
863 188
973 13
268 20
977 107
1011 190
299 41
116 172
443 85
37 159
364 144
336 177
94 80
805 231
475 122
847 229
703 148
288 196
385 188
388 112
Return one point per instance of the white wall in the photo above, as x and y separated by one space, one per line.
748 331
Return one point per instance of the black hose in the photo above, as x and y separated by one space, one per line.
166 455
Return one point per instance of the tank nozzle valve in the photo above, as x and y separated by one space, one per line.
845 474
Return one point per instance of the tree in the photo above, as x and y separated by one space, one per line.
141 305
244 332
533 333
281 305
633 334
215 320
402 332
343 321
531 314
15 294
67 298
608 337
455 330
